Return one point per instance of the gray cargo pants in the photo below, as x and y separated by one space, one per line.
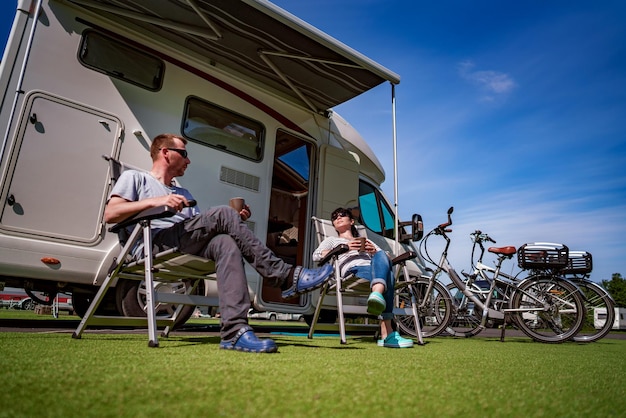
219 234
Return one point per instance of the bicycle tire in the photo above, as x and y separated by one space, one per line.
562 308
465 317
433 315
595 297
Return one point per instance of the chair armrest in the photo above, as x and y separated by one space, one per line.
409 255
339 249
152 213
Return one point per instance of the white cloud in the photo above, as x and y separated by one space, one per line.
492 82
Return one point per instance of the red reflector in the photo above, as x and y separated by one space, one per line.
50 260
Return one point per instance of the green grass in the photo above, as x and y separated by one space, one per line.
50 374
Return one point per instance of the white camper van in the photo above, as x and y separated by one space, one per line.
249 85
599 318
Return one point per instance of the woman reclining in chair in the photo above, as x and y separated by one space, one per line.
374 265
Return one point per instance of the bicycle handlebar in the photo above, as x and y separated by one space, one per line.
443 227
479 237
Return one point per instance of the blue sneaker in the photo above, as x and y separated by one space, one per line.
305 280
376 304
394 340
247 341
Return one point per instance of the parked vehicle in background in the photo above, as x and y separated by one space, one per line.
11 297
600 316
15 298
275 316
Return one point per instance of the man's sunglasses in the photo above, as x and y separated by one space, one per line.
339 215
183 152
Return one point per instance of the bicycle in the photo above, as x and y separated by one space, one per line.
544 306
597 299
467 321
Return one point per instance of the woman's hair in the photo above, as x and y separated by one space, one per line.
340 212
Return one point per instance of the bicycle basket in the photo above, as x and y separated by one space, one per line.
542 255
579 262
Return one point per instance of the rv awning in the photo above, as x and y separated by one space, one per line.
258 40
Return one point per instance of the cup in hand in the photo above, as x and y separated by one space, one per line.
362 239
237 203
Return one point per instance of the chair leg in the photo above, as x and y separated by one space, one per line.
150 297
414 304
106 284
318 309
93 306
339 297
342 320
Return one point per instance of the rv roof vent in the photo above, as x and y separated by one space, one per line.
232 176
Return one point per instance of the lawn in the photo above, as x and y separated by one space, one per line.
47 373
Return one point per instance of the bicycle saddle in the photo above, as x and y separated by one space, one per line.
508 250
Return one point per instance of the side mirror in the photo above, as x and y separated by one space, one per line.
417 229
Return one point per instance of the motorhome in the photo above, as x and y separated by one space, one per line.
250 86
599 318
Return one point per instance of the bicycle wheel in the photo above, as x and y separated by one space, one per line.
596 298
433 307
548 309
466 316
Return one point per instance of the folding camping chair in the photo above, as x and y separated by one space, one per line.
355 286
166 266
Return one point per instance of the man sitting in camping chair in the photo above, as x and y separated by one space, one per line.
366 261
218 234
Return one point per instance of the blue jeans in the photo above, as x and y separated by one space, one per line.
379 271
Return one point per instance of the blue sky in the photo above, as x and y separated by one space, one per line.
512 112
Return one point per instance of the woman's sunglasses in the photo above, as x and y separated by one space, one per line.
340 214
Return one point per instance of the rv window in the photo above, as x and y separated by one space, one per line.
220 128
376 214
109 56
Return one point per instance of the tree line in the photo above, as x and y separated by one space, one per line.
617 288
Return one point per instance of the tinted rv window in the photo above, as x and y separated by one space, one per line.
222 129
375 212
109 56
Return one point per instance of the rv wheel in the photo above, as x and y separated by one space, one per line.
131 296
327 316
81 299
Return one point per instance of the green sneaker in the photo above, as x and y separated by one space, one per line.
376 304
394 340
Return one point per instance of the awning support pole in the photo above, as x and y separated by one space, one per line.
395 168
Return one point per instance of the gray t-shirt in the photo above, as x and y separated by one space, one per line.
135 185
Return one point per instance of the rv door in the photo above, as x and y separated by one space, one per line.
57 181
338 180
